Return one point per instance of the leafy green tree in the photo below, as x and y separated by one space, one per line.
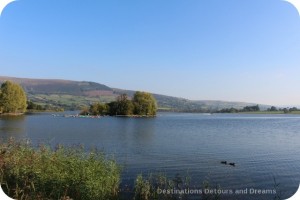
12 98
144 104
124 105
113 108
98 109
251 108
94 109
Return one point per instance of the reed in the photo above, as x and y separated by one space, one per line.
60 173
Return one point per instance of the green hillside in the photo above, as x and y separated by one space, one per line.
77 94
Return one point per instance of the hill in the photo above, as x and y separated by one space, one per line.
77 94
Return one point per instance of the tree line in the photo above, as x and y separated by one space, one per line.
142 104
285 110
235 110
257 109
32 107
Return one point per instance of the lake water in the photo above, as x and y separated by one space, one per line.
263 147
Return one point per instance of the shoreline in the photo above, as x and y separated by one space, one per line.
12 114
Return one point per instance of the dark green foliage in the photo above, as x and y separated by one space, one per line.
251 109
144 104
123 105
256 110
272 109
293 109
289 110
245 109
113 108
98 109
33 106
228 110
28 173
12 98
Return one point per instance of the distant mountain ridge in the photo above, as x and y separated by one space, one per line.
57 86
77 94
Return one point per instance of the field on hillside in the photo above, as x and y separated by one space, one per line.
68 101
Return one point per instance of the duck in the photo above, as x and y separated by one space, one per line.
232 164
224 162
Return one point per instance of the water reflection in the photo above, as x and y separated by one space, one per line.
144 130
12 126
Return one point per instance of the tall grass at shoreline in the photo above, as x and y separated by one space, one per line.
62 173
160 187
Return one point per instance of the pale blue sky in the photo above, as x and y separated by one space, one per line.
234 50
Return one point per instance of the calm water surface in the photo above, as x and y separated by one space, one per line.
263 147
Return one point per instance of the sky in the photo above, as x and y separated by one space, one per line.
233 50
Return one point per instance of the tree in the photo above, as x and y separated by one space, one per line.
144 104
33 106
273 108
293 109
113 108
251 108
98 109
94 109
12 98
228 110
286 110
124 105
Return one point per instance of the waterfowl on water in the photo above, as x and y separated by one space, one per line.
224 162
232 164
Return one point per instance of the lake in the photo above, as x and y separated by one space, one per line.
264 147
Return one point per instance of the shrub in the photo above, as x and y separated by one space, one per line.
62 173
148 188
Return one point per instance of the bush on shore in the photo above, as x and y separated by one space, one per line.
63 173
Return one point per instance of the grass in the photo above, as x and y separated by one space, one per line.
160 187
62 173
67 101
147 188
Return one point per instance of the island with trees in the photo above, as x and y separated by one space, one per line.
142 104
